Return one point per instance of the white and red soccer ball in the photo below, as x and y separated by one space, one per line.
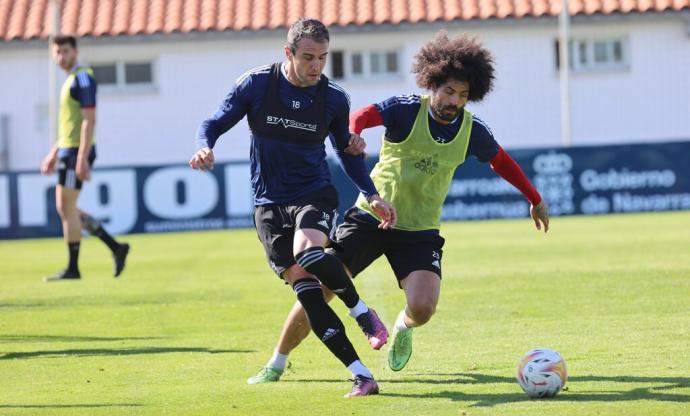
542 373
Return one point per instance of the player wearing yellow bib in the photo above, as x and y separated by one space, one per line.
74 153
426 139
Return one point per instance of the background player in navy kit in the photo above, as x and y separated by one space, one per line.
426 138
291 109
74 153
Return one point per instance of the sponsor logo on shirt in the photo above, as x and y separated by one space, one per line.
427 164
290 124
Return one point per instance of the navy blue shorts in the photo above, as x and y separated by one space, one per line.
67 169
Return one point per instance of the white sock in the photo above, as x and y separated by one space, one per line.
358 309
277 361
400 322
358 369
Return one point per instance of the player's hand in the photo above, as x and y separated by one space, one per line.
203 159
356 145
385 211
540 215
83 169
48 164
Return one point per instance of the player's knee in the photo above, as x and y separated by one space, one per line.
88 222
60 210
421 312
64 210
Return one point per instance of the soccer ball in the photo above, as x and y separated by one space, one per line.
542 373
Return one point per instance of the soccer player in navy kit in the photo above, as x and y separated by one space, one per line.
74 153
426 139
291 109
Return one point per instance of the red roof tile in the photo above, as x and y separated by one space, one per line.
31 19
156 20
34 19
16 19
399 11
140 16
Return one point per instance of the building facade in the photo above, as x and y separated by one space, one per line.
629 83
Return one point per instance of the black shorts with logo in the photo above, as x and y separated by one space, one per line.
276 224
67 169
360 242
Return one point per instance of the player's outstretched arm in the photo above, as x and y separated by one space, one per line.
540 215
203 159
509 170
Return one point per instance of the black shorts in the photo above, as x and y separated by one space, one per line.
360 242
276 224
67 170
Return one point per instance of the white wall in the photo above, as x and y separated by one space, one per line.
651 101
648 102
192 79
24 98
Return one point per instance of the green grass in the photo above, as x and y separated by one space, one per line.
195 314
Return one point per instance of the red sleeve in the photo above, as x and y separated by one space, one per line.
508 169
364 118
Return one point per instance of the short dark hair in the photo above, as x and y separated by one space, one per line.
65 40
462 58
306 28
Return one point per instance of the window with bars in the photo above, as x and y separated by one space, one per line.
124 75
596 54
360 64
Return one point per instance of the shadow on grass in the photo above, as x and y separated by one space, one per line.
478 378
111 352
22 305
62 338
655 393
66 406
100 301
490 400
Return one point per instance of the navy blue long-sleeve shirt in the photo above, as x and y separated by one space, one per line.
284 171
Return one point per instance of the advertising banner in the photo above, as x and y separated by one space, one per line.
577 180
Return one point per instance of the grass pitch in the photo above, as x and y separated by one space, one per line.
195 314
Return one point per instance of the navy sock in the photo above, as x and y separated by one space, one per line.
73 249
324 322
331 272
109 241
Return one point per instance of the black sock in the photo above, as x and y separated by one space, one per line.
331 272
101 233
73 249
324 322
94 227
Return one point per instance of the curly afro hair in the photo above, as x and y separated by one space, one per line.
462 58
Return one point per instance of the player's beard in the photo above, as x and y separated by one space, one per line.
446 113
67 64
308 81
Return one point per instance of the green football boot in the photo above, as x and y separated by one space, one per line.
265 375
400 350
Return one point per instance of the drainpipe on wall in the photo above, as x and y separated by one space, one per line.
4 142
564 73
53 92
